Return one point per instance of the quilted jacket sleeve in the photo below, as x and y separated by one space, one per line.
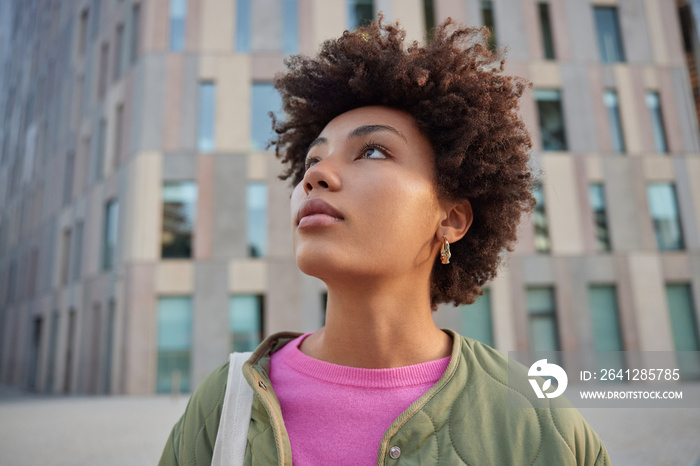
191 441
603 458
577 433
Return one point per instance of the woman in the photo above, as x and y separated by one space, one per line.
411 176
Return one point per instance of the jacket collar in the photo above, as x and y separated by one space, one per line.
273 343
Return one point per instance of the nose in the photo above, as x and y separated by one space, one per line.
321 175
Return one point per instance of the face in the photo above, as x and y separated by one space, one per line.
367 205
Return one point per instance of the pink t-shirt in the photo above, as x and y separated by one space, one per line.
338 414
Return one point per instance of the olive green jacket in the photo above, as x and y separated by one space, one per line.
465 418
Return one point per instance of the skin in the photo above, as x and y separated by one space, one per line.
376 168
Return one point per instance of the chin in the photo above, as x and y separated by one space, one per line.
334 266
317 264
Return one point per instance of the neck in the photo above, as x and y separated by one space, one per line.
375 325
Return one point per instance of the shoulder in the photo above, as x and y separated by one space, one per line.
207 400
193 437
563 431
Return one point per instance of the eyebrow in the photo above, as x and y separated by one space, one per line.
369 129
361 131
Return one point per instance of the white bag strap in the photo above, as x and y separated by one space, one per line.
231 438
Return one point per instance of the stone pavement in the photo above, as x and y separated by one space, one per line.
110 431
82 431
648 436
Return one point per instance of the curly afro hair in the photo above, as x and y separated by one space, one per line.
460 102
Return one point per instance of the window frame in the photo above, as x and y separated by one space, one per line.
672 196
600 217
259 320
658 125
186 304
552 99
109 239
206 117
550 314
545 20
189 207
177 38
611 101
617 55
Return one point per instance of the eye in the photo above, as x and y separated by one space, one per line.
374 151
310 162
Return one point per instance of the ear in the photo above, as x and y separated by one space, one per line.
458 218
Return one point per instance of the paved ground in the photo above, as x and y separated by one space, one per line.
648 436
82 431
110 431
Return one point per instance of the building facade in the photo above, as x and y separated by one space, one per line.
689 12
144 233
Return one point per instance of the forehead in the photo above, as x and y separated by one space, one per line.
400 120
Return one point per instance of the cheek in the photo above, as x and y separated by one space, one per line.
295 201
401 233
406 207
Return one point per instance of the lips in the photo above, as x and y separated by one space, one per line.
316 207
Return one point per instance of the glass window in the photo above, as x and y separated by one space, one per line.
78 251
546 28
109 242
684 325
245 321
360 12
53 350
95 25
429 15
542 242
118 52
542 319
609 37
664 213
108 349
613 106
243 16
178 13
101 148
33 266
179 211
95 348
82 32
174 343
257 219
551 117
87 154
65 256
207 116
266 99
118 128
657 121
602 300
77 100
35 351
596 196
476 319
68 178
135 26
687 13
488 20
70 348
290 26
104 66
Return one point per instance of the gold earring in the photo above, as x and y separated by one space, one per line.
445 251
